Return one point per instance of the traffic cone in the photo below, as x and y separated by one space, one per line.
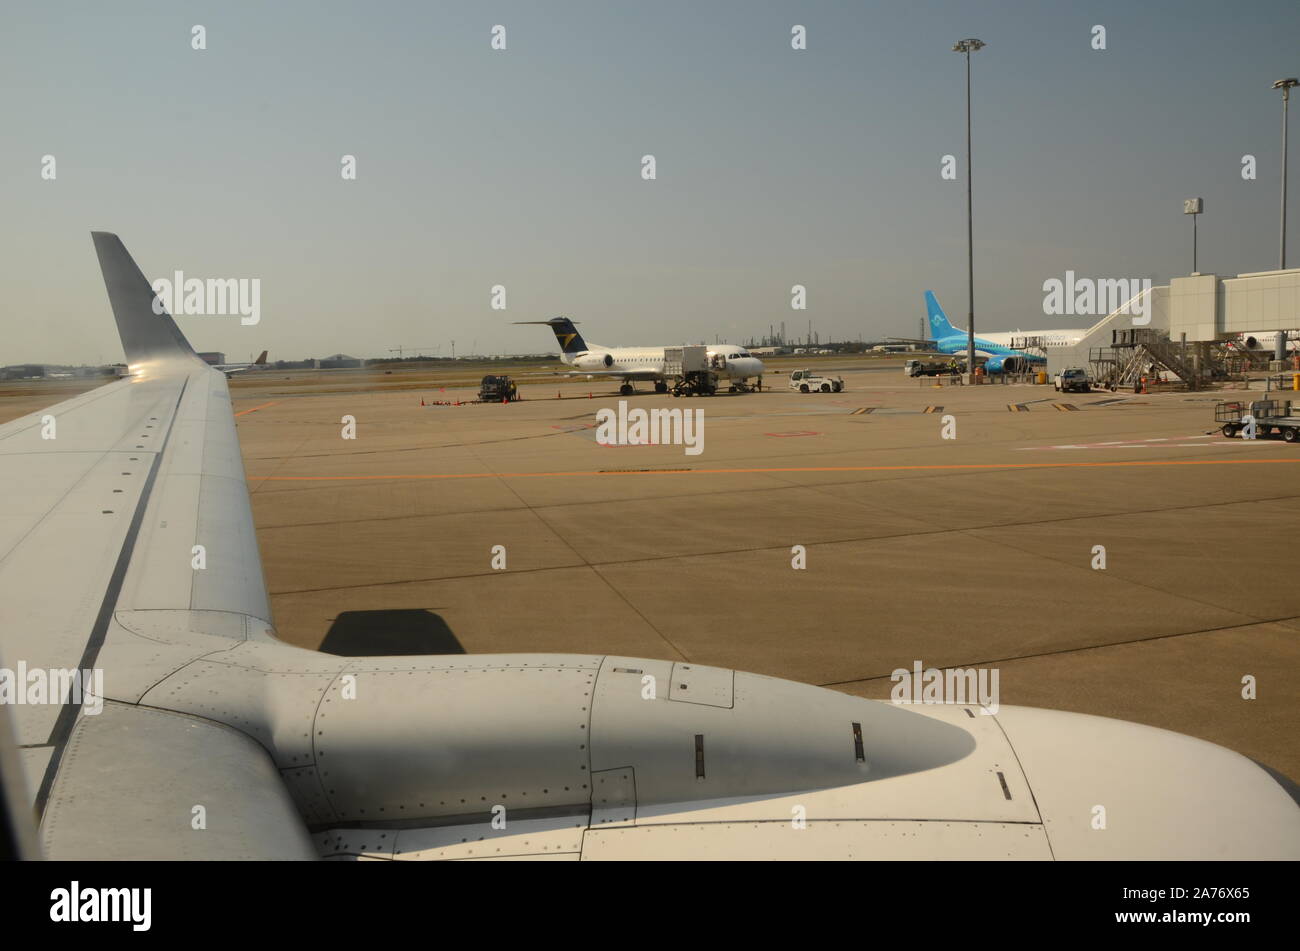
421 400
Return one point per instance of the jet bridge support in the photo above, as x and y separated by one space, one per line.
1134 353
1036 347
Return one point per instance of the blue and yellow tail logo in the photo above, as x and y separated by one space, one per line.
565 333
570 340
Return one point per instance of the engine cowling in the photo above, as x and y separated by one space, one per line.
1006 363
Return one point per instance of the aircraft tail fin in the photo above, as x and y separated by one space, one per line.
939 325
146 334
565 332
261 359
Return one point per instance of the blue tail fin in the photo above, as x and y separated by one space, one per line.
939 325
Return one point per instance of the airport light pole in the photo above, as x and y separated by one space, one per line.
1193 207
1285 85
969 46
1279 352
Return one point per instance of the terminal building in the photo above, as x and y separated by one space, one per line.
1188 327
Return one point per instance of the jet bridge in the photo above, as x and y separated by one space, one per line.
1206 307
1154 304
1191 328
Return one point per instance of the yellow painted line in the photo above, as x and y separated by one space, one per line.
933 409
1127 464
1066 407
256 408
862 409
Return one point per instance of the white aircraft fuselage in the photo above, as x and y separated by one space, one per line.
726 361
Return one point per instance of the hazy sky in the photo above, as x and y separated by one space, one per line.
523 167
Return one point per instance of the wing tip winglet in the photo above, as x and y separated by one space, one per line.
147 334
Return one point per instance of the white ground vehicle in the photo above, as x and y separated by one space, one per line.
806 381
1073 379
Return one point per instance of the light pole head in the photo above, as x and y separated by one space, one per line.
968 46
1285 85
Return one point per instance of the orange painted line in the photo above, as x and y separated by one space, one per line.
970 466
256 408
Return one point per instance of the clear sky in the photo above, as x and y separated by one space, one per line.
523 167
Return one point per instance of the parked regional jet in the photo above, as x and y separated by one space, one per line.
728 361
1002 357
229 368
1266 342
191 698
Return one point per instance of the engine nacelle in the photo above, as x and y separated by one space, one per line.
594 361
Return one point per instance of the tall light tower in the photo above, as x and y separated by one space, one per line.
969 46
1193 207
1279 351
1284 85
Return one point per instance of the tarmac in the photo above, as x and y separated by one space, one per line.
974 551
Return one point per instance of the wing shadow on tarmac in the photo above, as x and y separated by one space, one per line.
390 633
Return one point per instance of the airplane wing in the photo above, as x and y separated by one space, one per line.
928 344
124 510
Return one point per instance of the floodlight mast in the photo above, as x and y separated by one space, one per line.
969 46
1286 85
